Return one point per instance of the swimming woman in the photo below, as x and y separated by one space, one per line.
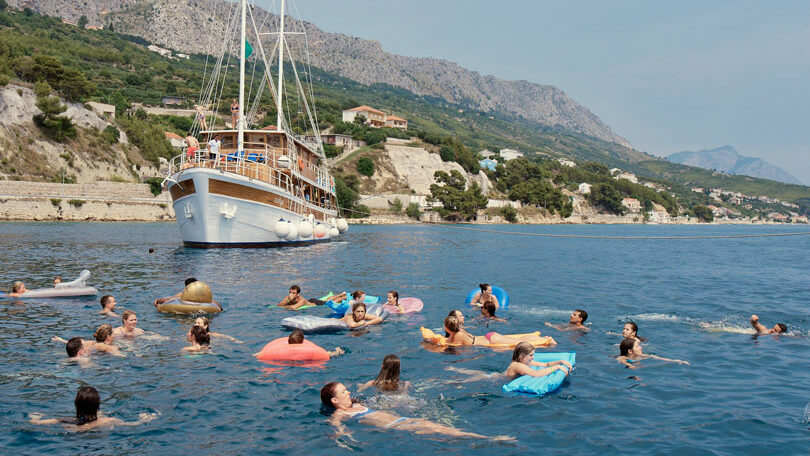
87 403
199 338
459 336
128 327
630 354
388 378
103 342
460 316
358 317
393 301
488 313
206 324
484 296
522 361
337 399
17 289
630 331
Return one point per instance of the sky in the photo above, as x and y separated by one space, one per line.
667 76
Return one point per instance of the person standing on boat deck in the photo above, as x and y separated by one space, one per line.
213 149
778 328
193 147
234 113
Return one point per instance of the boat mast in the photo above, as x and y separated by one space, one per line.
240 120
280 69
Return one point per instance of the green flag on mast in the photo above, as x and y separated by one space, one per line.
248 49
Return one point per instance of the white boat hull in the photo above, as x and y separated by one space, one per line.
207 219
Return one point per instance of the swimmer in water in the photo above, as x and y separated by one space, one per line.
388 378
294 300
488 312
630 331
358 317
17 289
358 296
108 304
575 323
103 343
779 328
522 361
297 337
129 326
459 316
338 400
484 296
87 403
630 354
393 301
206 324
57 280
459 336
199 338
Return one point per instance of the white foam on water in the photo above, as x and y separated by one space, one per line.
720 326
543 311
656 317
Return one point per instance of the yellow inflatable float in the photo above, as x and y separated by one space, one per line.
536 341
195 298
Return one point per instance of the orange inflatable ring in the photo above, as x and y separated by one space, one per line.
281 350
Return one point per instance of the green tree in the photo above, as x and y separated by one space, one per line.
457 203
49 119
447 153
365 166
509 213
360 120
3 5
396 206
74 85
703 213
606 195
82 21
413 211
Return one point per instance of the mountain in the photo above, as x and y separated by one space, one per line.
726 159
168 23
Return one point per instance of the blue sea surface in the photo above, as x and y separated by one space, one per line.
741 394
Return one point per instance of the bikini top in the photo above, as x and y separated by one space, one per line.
359 413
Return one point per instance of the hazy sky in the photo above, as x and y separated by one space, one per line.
668 76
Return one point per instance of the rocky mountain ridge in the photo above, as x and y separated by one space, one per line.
726 159
168 22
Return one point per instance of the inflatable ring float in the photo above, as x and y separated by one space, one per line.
196 298
281 350
498 292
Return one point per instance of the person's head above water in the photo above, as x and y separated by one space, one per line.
334 395
578 317
779 328
87 403
295 289
75 347
451 324
485 288
522 351
129 319
358 311
359 295
629 348
108 300
189 281
458 314
630 330
57 280
204 322
393 297
488 309
18 287
297 337
199 335
103 333
388 378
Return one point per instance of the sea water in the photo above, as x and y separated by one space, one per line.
692 299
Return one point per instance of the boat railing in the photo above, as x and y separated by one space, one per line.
261 165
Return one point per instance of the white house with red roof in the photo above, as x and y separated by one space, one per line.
374 117
396 122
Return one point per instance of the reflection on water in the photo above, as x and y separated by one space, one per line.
691 299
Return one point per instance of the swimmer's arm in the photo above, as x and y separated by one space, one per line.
143 418
112 350
759 327
286 303
502 320
152 335
557 327
159 301
495 300
372 320
522 369
552 363
36 418
337 351
337 423
225 336
364 386
661 358
623 360
475 299
58 339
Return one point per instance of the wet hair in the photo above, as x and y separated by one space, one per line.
626 346
57 279
151 250
206 323
483 286
582 314
489 306
103 332
296 288
388 378
522 349
125 316
73 346
189 281
452 323
87 403
16 286
634 327
452 314
358 293
357 305
395 295
782 326
328 392
104 300
200 335
297 337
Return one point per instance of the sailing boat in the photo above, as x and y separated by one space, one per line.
265 187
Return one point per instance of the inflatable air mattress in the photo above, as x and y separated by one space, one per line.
541 385
281 350
438 339
75 288
411 305
342 307
311 324
498 292
178 306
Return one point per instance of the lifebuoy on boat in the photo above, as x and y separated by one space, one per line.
300 164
